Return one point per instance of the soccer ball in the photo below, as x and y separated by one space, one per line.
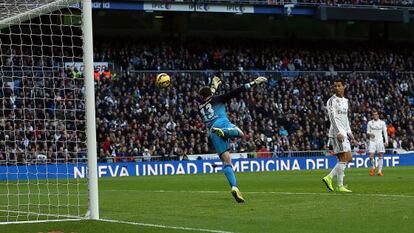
163 80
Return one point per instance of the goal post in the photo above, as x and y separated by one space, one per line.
48 157
90 109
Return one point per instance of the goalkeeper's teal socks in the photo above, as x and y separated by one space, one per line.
228 171
233 132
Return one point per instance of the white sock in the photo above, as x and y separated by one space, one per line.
334 170
341 173
380 160
372 161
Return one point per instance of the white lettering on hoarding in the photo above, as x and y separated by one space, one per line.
152 169
207 167
295 165
101 170
268 163
199 7
310 164
169 169
284 165
255 166
359 162
193 167
143 169
321 163
80 66
79 173
112 172
235 8
244 165
218 166
124 171
180 169
395 160
387 161
161 6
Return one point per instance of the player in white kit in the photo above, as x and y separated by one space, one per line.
340 136
376 128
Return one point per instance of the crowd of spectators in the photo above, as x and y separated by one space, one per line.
42 117
43 113
286 115
255 55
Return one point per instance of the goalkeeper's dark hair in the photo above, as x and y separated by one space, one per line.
205 92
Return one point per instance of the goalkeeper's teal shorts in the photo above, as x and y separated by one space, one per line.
221 144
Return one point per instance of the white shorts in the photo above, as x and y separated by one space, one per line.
376 147
340 147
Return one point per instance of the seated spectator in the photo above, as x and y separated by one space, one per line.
263 152
283 132
146 155
391 130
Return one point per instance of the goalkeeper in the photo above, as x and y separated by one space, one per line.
221 130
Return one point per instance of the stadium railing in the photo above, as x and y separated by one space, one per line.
140 158
235 155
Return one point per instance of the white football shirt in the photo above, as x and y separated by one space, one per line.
378 128
338 116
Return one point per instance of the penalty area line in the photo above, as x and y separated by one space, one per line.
164 226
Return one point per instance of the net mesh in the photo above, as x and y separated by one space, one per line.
42 112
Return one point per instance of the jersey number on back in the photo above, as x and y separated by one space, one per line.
207 112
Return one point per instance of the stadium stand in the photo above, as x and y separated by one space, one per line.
136 118
289 114
255 55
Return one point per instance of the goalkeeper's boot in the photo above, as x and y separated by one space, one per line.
237 194
380 174
372 171
218 131
343 189
328 182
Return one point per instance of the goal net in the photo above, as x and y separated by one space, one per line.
43 138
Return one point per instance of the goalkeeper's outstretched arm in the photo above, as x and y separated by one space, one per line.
234 93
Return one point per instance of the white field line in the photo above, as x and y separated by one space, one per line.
75 218
40 221
165 226
264 192
66 217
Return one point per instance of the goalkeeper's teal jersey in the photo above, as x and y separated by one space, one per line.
214 108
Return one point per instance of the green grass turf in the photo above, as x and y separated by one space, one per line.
293 201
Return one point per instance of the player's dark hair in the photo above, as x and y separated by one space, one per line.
340 80
205 92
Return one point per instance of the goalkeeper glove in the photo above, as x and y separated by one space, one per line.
258 81
215 83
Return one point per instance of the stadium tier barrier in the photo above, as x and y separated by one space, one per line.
148 168
307 3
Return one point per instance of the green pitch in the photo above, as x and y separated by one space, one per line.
295 201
